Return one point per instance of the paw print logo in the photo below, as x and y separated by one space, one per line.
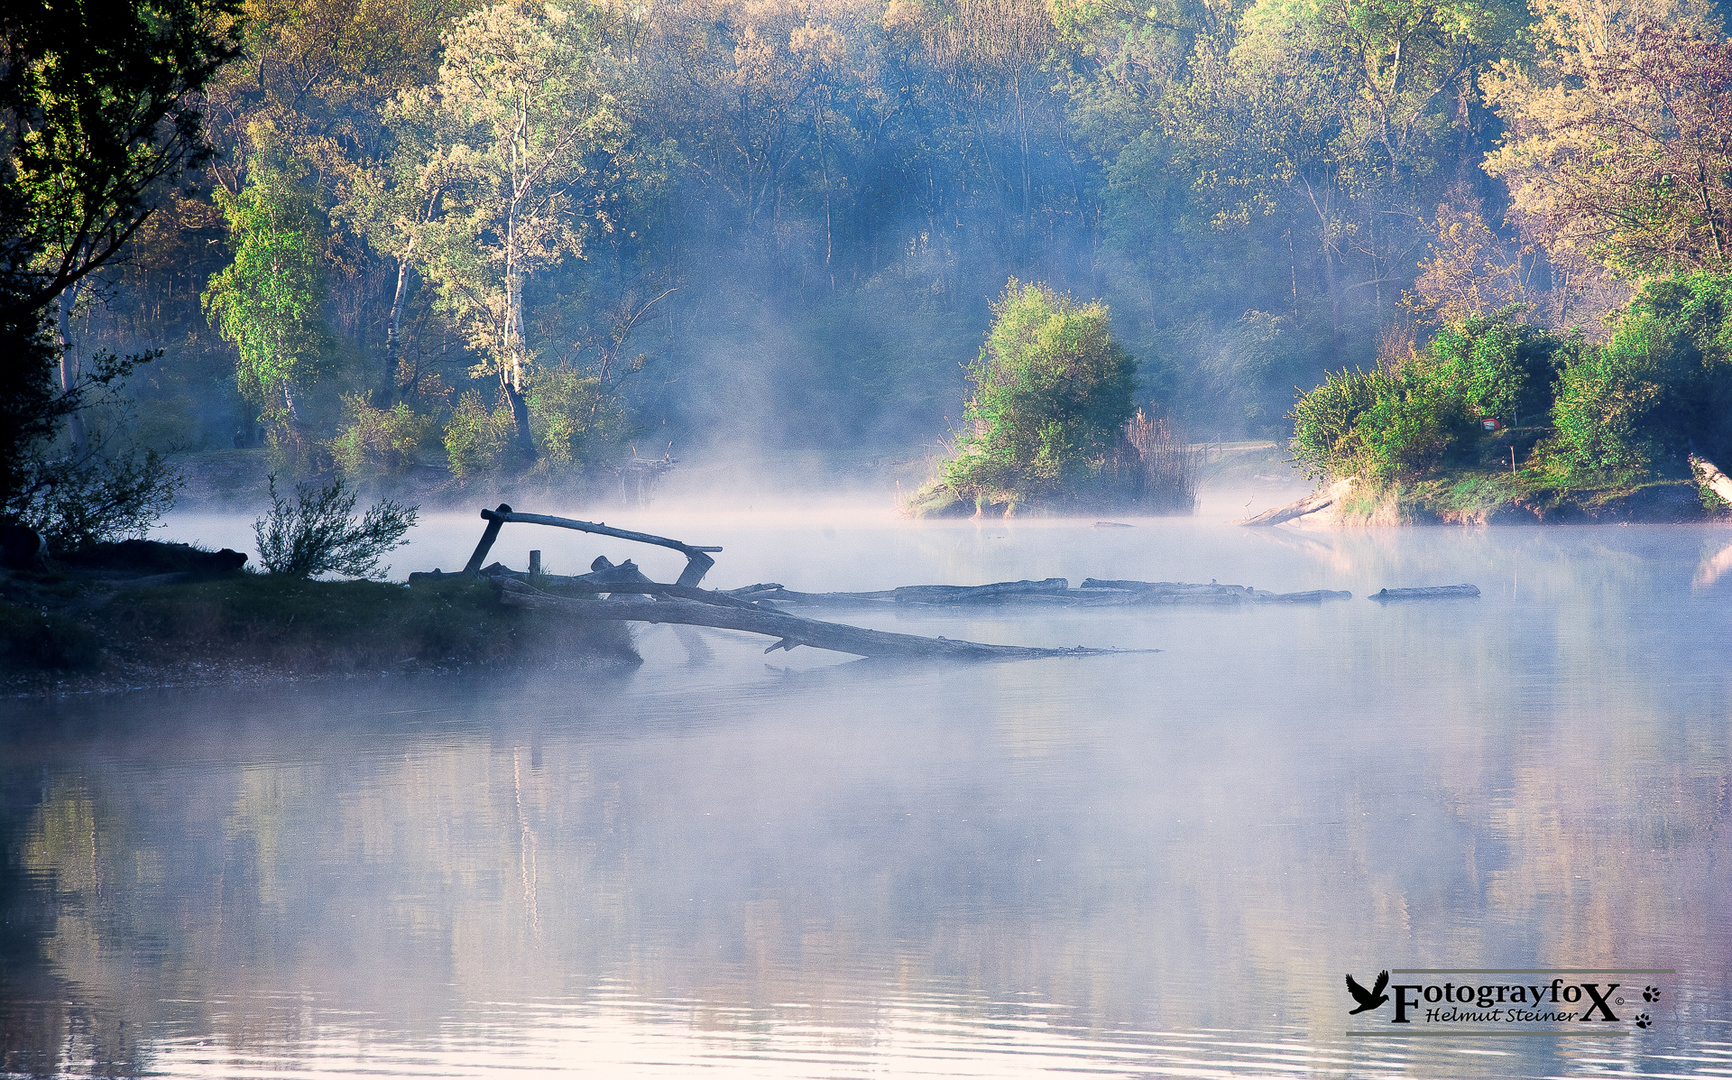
1652 993
1643 1021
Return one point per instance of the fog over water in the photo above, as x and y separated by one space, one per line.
717 862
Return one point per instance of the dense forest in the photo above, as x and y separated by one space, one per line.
539 236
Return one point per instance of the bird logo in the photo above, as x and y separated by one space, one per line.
1368 999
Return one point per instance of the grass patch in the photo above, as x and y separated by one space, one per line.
33 640
347 626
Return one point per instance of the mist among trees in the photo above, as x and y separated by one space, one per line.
448 240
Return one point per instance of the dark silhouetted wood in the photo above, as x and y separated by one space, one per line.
698 561
495 521
1048 593
788 630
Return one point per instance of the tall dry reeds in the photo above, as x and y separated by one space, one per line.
1170 464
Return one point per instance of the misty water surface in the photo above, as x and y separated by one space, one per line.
718 863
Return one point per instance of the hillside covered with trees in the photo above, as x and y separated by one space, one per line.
450 240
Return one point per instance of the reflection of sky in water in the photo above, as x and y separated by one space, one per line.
1140 865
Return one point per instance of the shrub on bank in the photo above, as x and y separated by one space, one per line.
1627 411
379 442
1660 386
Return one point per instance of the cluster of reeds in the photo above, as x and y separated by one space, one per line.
1170 464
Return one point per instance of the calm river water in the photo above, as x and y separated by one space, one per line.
718 863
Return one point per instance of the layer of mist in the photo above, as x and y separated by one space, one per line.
1157 864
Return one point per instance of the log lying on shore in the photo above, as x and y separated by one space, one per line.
790 630
1709 476
1310 504
1434 592
698 561
605 577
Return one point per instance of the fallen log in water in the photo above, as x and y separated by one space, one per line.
1433 592
1052 592
606 577
1310 504
1178 592
790 630
978 594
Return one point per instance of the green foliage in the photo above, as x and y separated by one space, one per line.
102 112
1052 392
319 534
478 439
575 419
1660 386
1633 407
1382 425
379 442
1499 366
95 495
269 301
1414 424
1326 436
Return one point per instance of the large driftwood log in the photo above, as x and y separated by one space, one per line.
1433 592
978 594
1051 592
790 630
1310 504
606 578
1178 592
1709 476
698 561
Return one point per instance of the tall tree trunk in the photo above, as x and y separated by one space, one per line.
387 395
69 366
525 442
511 370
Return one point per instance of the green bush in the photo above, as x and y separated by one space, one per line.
477 439
1498 365
1387 426
319 534
1660 386
90 496
1326 436
576 421
1413 427
1052 393
378 442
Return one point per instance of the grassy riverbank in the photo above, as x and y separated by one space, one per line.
69 632
1479 498
1482 488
